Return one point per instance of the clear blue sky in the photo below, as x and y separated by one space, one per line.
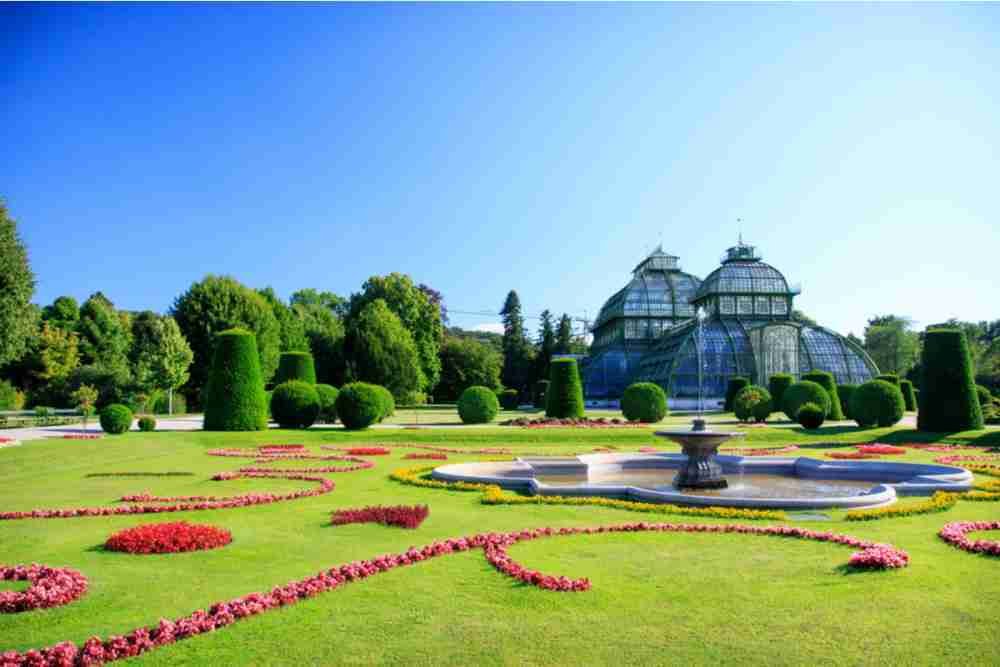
482 148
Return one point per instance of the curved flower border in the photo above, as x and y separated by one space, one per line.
955 535
50 587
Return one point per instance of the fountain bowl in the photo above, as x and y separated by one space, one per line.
701 470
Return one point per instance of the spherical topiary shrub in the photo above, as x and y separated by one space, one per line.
754 403
877 402
733 387
565 396
811 416
294 404
947 401
478 405
295 366
509 399
825 380
801 393
116 418
387 400
234 395
645 402
909 397
541 390
147 424
845 391
891 378
359 405
327 403
777 384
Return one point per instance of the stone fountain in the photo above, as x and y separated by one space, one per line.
700 470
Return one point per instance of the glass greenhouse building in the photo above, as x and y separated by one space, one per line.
647 332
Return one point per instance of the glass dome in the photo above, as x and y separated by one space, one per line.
742 272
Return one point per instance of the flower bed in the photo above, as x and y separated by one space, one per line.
879 448
955 535
434 456
772 451
403 516
579 422
81 436
167 538
415 477
852 455
281 448
367 451
50 587
939 502
140 474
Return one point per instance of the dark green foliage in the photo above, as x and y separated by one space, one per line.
327 403
161 403
62 313
845 391
984 395
147 423
18 318
801 393
909 397
947 400
478 405
105 337
359 405
811 416
645 402
116 419
320 313
541 389
234 395
777 384
736 383
877 403
825 380
754 403
291 328
466 362
295 404
509 399
295 366
516 348
891 378
8 396
382 350
387 401
565 396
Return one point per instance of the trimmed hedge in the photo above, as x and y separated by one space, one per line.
359 405
478 405
116 419
811 416
327 403
234 395
509 399
295 366
947 399
541 390
909 397
754 403
801 393
295 404
877 403
388 401
147 424
825 380
565 396
891 378
777 384
735 384
645 402
844 392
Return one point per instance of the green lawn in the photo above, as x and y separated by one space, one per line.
664 598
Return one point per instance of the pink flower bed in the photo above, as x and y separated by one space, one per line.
82 436
168 538
773 451
879 448
50 587
367 451
958 458
141 640
955 535
852 455
581 422
432 448
403 516
281 448
433 456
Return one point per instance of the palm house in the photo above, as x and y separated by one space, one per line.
647 332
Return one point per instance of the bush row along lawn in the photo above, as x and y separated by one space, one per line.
656 597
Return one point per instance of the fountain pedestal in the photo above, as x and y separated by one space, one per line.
700 446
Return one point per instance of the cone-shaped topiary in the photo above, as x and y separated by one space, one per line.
754 403
565 397
541 389
811 416
736 383
891 378
359 405
294 404
777 384
478 405
825 380
645 402
801 393
327 403
909 397
234 395
947 400
116 419
509 399
845 391
295 366
877 403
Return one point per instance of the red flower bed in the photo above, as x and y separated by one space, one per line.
281 448
852 455
580 422
82 436
433 448
772 451
168 538
879 557
433 456
367 451
403 516
954 534
50 587
878 448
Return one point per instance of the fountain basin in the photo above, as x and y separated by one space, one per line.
755 482
701 447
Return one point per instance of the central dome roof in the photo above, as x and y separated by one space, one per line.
742 272
658 288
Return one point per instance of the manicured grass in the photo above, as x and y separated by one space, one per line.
655 598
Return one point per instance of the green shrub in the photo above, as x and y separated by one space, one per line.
541 390
947 400
801 393
845 391
777 384
8 396
160 403
386 400
811 416
147 423
509 399
295 404
478 405
877 402
295 366
736 383
116 418
413 397
645 402
891 378
359 405
754 403
985 397
234 396
327 403
565 396
909 397
825 380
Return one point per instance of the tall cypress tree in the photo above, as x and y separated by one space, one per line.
18 320
546 346
515 344
564 337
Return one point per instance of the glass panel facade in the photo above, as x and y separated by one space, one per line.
762 306
744 305
727 305
779 305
